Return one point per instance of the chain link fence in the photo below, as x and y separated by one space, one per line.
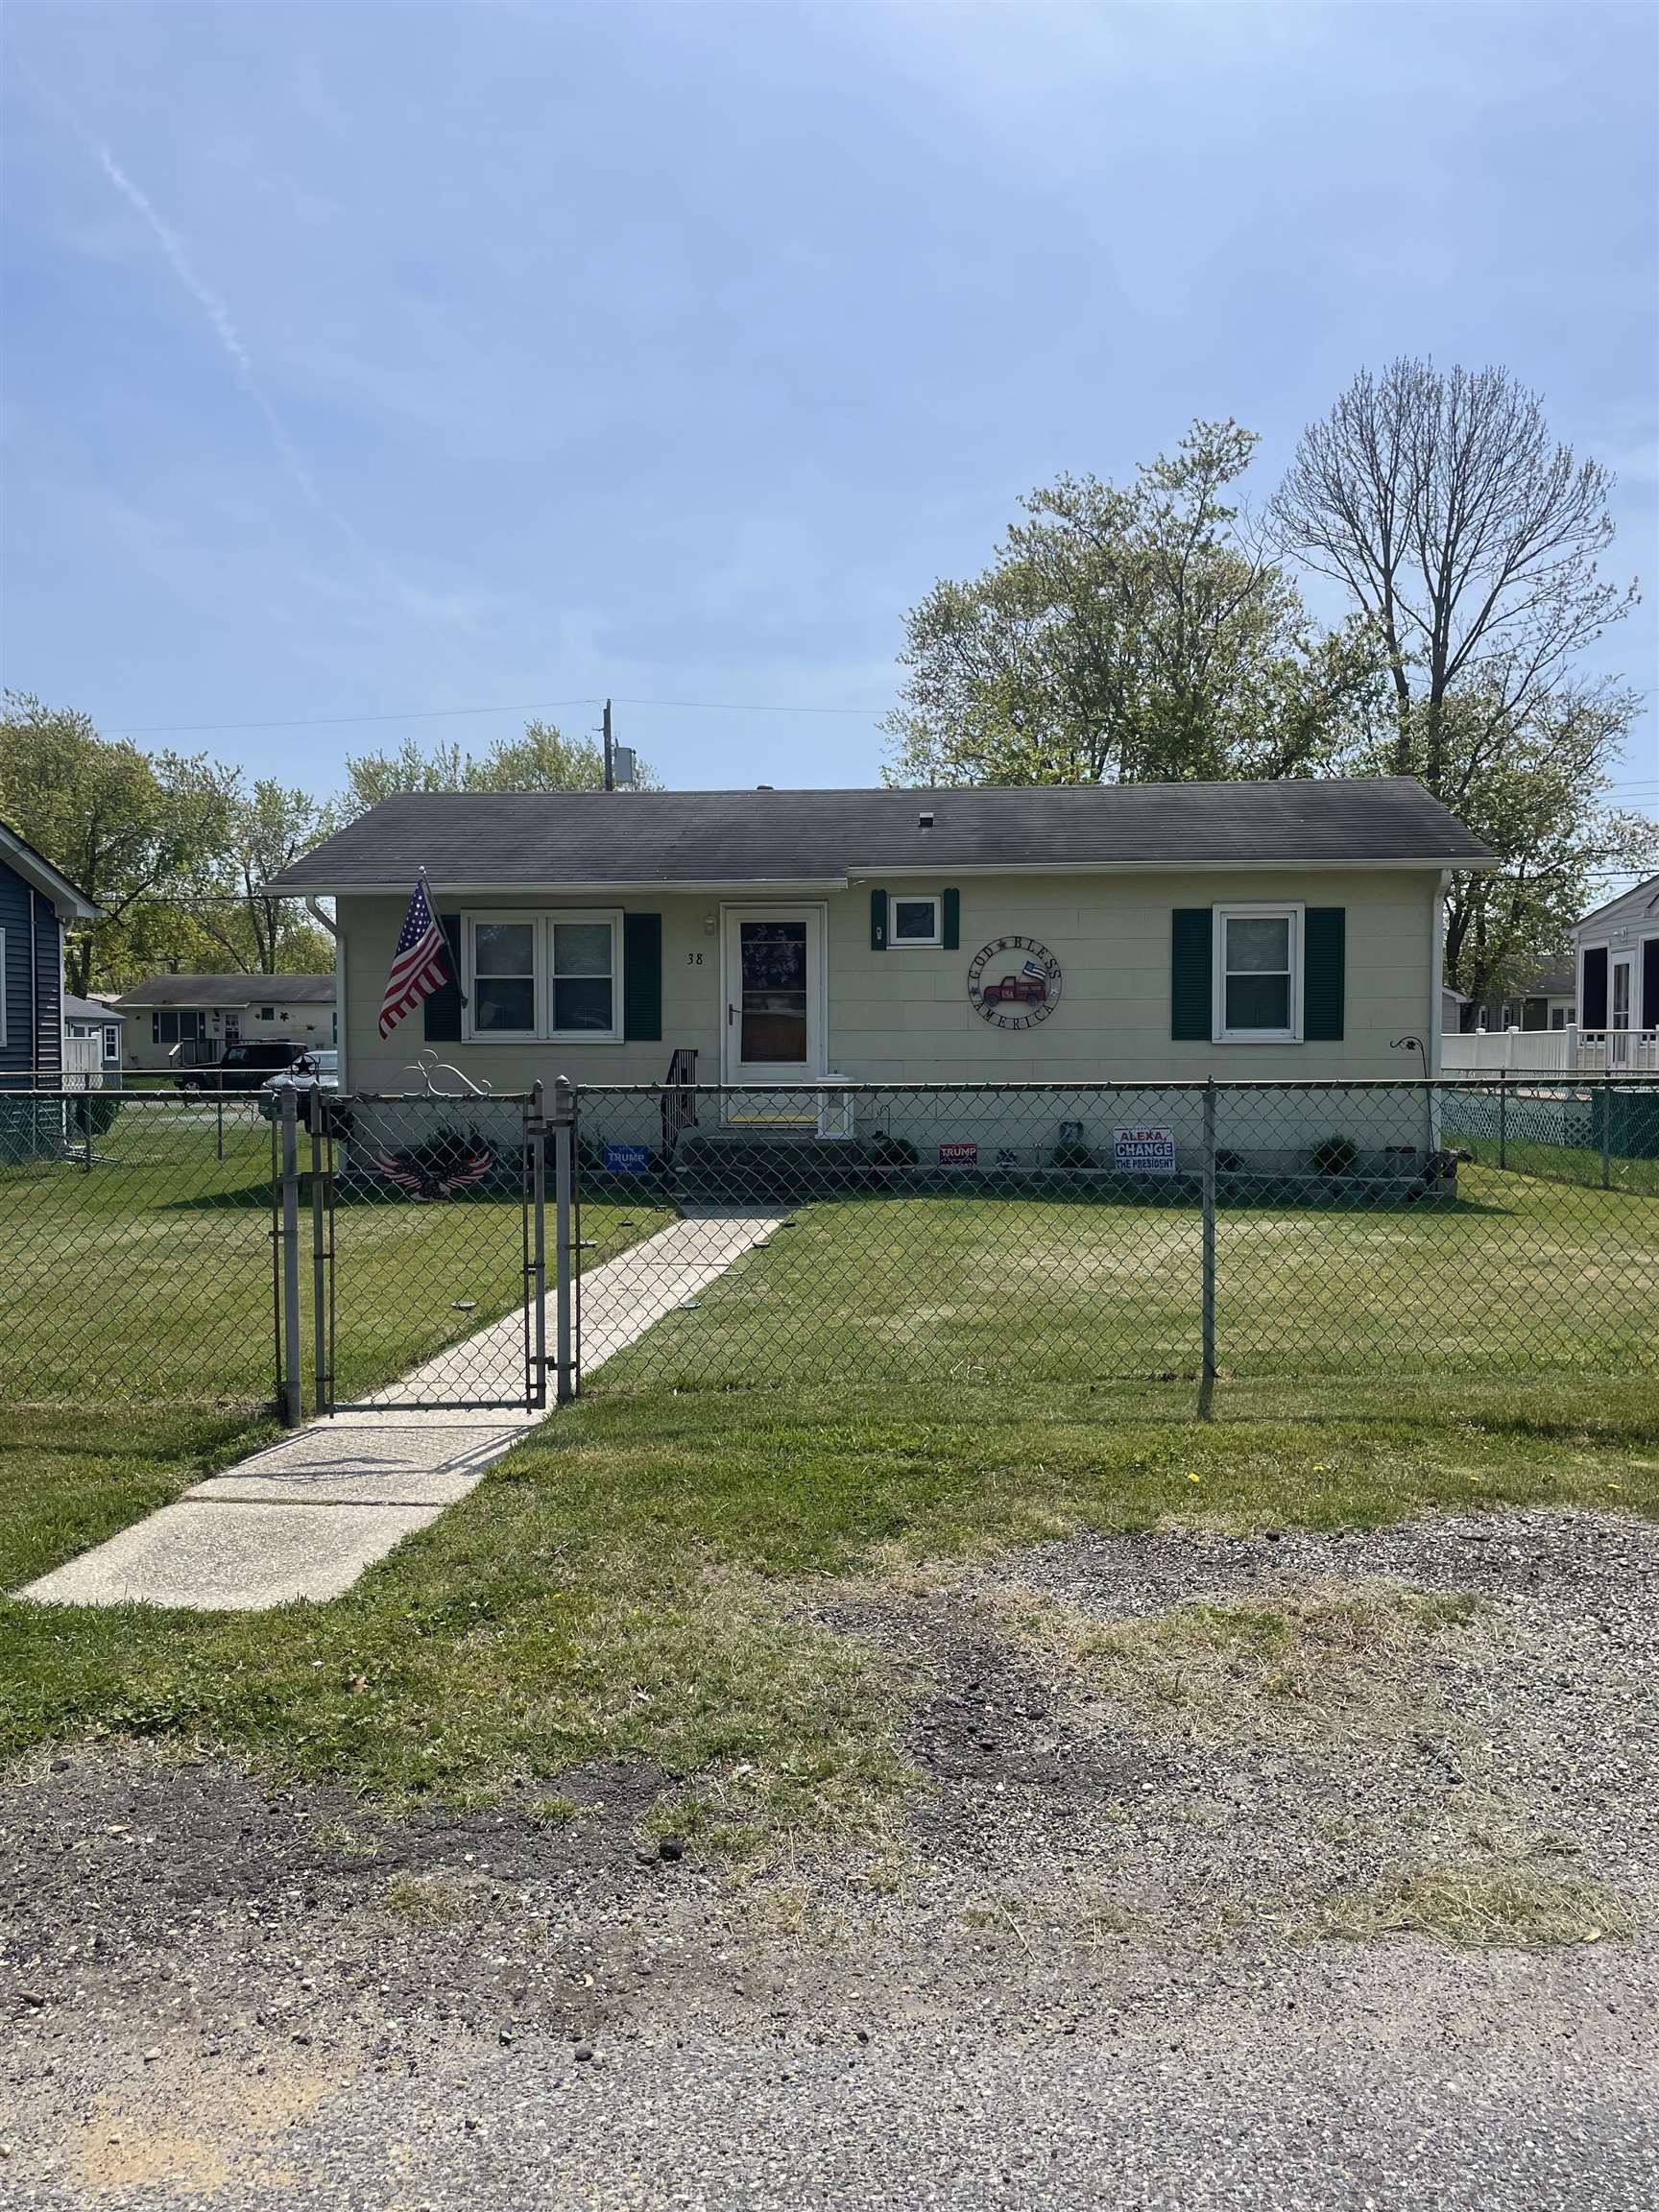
153 1247
1028 1234
426 1247
136 1250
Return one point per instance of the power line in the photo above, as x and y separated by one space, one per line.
742 706
321 721
456 713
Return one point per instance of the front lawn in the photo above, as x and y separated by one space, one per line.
632 1580
147 1279
941 1376
1518 1276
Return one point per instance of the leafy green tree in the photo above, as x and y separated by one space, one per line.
1129 634
136 832
1471 541
542 759
268 826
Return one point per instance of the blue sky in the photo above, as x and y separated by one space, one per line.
361 359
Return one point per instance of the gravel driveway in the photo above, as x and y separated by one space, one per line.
1092 1965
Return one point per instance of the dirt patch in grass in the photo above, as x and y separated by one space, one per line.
1331 1657
1199 1737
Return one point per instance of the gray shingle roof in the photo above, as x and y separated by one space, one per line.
231 991
90 1010
524 840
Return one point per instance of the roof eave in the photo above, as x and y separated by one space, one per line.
38 872
752 886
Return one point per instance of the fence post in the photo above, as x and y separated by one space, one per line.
1207 1375
538 1135
219 1118
289 1126
1503 1118
321 1381
1607 1127
564 1243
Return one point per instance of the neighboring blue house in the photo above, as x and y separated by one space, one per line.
37 906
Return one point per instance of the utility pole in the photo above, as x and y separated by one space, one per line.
610 775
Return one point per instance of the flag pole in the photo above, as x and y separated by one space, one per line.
453 951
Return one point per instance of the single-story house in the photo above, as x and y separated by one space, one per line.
1543 999
38 905
187 1020
92 1036
1618 963
961 936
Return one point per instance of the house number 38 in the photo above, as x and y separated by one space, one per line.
693 960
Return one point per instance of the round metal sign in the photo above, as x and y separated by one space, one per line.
1013 982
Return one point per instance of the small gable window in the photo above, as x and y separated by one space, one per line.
916 921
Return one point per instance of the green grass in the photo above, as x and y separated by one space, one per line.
1574 1164
148 1278
624 1582
1518 1276
949 1376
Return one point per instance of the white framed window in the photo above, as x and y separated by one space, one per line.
111 1041
916 919
547 978
1258 974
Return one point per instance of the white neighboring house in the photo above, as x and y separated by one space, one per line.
1598 1016
189 1021
92 1041
1617 953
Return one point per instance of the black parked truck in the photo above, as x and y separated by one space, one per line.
242 1067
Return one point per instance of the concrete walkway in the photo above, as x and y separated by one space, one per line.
304 1517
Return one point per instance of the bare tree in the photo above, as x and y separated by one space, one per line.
1471 538
1128 634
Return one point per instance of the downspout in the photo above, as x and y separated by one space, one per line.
329 922
34 998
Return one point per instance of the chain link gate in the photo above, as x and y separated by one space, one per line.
424 1219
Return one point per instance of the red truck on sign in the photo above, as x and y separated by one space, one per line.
1030 988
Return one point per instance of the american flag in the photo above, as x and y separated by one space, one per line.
419 965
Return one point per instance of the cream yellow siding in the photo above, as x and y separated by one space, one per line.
903 1015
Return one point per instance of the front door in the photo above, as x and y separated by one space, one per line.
774 986
1621 993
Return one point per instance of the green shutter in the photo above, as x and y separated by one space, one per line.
878 920
442 1010
952 920
642 975
1191 974
1324 933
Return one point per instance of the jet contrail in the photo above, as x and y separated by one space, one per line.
225 330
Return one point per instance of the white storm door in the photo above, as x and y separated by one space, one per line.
1620 998
773 973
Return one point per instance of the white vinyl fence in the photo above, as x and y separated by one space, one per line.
1569 1051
